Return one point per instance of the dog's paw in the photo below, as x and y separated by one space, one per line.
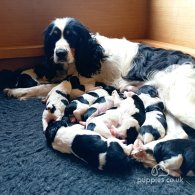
7 92
15 93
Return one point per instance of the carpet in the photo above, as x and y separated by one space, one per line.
29 166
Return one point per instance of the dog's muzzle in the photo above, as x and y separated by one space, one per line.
62 55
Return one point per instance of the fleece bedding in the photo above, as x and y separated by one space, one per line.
29 166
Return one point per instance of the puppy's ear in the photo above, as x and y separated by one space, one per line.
88 52
161 105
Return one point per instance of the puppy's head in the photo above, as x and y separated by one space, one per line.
149 96
52 129
142 154
149 90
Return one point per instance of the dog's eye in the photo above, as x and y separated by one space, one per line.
56 33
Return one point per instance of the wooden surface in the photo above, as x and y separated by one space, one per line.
172 21
15 63
164 45
160 23
23 21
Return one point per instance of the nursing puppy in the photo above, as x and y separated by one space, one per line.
122 122
101 105
82 103
104 154
155 124
176 157
56 102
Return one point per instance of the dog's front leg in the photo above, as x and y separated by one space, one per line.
39 91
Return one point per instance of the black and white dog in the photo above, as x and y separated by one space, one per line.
118 62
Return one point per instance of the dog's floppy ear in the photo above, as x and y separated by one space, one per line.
88 53
49 45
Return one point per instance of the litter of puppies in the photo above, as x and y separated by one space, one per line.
109 130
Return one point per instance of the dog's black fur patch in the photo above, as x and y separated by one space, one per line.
91 126
189 130
70 108
88 147
82 100
75 83
162 120
150 60
88 113
116 159
131 135
150 129
63 94
148 89
155 107
52 129
100 100
141 115
65 102
14 79
94 94
166 150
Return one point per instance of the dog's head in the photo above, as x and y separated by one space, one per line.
68 41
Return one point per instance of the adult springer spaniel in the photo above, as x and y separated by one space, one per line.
70 46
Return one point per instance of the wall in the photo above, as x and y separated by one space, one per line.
23 23
172 21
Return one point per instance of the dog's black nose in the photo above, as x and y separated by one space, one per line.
61 54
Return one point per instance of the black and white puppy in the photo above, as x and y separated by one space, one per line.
122 122
104 154
102 104
82 103
155 125
56 102
176 157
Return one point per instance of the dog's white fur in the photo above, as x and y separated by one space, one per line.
176 87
